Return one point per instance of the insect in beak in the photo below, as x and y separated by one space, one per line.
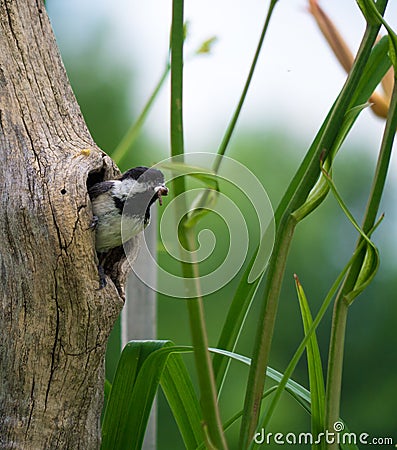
160 191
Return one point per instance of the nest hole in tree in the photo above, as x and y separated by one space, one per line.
95 176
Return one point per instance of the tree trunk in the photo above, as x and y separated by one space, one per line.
54 322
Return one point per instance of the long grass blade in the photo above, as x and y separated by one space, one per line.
285 229
179 391
292 386
119 418
298 353
316 377
137 377
297 392
377 66
371 262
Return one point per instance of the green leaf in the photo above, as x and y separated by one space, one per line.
377 66
201 206
316 377
321 188
371 262
179 391
125 422
107 387
368 270
291 386
135 384
393 48
373 17
297 391
299 351
348 121
116 433
369 11
234 322
206 46
237 415
295 196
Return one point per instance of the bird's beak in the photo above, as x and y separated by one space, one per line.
160 191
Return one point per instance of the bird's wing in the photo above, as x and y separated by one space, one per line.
99 188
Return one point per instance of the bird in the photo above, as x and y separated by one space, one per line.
121 208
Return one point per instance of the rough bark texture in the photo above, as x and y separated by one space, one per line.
54 322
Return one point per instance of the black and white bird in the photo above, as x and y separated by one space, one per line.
121 207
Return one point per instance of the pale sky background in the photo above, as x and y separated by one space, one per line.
297 77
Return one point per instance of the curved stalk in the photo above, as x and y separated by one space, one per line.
339 319
302 185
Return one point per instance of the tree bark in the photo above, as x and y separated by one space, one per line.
54 322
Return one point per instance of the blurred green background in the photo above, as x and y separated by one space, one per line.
322 245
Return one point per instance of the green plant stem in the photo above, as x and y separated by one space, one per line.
212 420
262 346
129 138
338 330
302 183
229 341
243 297
229 131
301 348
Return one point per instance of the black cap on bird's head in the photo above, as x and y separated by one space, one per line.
143 175
153 178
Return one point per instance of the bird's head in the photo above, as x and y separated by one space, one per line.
146 181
